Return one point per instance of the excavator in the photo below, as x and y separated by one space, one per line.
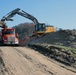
40 28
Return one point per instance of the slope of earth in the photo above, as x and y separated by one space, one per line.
26 61
65 55
62 37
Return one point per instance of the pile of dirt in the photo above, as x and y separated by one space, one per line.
62 37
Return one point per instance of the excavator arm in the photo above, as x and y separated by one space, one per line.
8 18
32 18
10 15
19 12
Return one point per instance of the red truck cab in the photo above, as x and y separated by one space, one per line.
9 37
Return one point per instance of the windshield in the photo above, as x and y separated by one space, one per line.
8 32
42 27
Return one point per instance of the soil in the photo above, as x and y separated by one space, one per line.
62 37
26 61
60 54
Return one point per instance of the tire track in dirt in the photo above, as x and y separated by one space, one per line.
2 65
36 65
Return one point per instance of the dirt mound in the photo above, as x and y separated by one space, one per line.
62 37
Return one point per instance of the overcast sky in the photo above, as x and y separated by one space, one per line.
59 13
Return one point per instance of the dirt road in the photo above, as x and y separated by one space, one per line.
25 61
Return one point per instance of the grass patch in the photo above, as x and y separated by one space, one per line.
73 50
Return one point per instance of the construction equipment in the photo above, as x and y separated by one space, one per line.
8 37
40 28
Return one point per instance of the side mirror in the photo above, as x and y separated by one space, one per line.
0 34
17 35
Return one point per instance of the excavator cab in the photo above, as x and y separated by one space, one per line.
42 27
41 30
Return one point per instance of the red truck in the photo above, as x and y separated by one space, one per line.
8 37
